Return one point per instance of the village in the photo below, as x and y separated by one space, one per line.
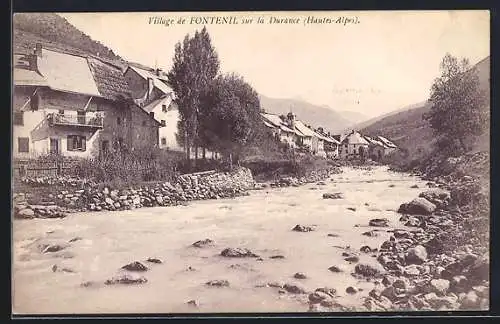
77 106
142 189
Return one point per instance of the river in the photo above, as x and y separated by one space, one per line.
261 222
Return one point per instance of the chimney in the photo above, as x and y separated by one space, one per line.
150 87
158 72
38 49
291 120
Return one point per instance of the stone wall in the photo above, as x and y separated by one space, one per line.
198 186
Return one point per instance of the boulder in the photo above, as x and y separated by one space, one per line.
294 288
439 286
335 195
26 213
203 243
135 266
318 296
418 206
218 283
302 228
437 196
238 253
470 301
154 260
372 233
416 255
379 222
369 269
300 275
351 290
127 279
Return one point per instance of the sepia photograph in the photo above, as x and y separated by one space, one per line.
250 162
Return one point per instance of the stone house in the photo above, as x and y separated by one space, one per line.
149 89
353 145
75 105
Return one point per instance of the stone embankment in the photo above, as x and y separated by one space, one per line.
189 187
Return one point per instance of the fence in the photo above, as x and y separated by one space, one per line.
40 168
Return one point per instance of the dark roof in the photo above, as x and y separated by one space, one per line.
109 79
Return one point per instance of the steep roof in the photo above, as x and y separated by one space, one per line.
153 104
22 75
66 72
109 79
276 121
354 138
386 142
304 129
156 80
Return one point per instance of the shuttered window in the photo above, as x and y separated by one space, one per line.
76 143
23 144
18 118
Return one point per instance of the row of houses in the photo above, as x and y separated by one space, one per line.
82 105
297 135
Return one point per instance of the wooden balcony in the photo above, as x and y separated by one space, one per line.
91 122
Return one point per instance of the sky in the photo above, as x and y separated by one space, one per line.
377 63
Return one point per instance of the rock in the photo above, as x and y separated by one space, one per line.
437 196
416 255
218 283
336 195
439 286
481 291
402 234
373 233
369 270
135 266
238 253
470 301
367 249
336 269
203 243
154 260
333 235
411 271
352 258
275 284
351 290
418 206
329 291
351 208
51 248
438 302
302 228
379 222
26 213
318 296
388 280
126 279
300 275
459 284
294 288
193 303
414 186
277 257
75 239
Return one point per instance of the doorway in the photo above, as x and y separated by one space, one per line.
54 146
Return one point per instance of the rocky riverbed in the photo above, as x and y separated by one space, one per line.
338 244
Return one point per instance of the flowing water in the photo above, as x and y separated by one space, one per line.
261 222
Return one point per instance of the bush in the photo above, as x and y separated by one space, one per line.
130 167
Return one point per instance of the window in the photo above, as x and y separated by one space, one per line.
76 143
34 102
61 111
118 120
81 117
18 118
164 108
163 141
152 114
23 144
163 123
54 145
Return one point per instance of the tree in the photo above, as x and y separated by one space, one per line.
458 104
195 65
233 120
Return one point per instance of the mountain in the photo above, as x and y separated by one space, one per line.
406 126
353 117
54 31
314 115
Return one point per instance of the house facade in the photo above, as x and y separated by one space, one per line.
353 145
74 105
150 91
